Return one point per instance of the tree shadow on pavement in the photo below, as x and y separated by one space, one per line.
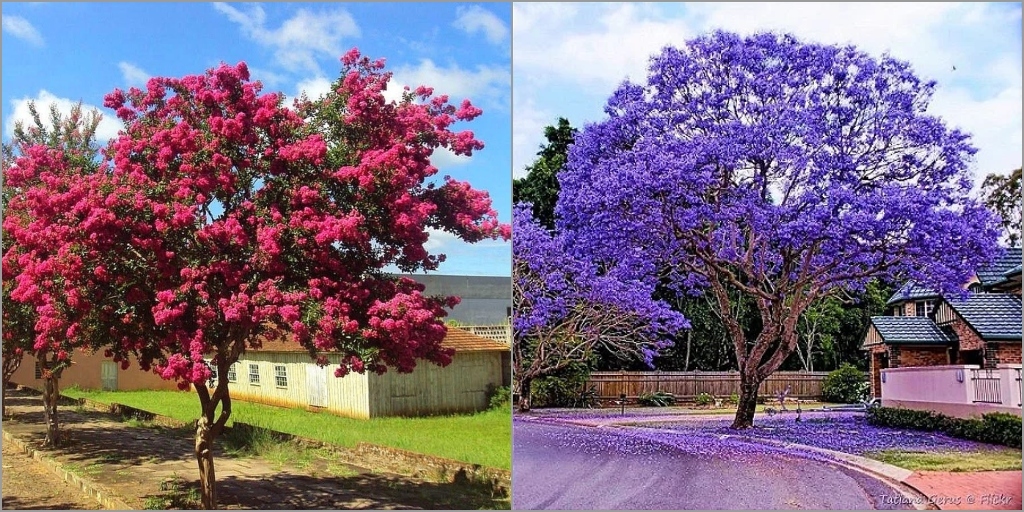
289 491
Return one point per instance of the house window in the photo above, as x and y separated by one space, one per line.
897 311
39 371
232 374
281 376
923 308
254 374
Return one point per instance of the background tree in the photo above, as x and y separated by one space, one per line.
782 171
225 218
63 148
564 309
1002 193
540 185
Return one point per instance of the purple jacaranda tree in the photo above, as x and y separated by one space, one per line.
781 170
565 308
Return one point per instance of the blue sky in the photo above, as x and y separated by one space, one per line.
568 58
68 52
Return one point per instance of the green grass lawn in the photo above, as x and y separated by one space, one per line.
483 438
1007 459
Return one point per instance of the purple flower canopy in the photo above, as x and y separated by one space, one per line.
794 167
552 286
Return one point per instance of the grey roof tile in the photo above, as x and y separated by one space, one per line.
911 291
995 316
909 330
997 270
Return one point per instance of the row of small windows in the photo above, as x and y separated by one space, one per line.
921 308
280 375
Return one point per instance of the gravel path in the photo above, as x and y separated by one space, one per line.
27 484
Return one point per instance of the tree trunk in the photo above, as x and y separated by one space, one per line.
747 405
204 456
689 336
50 394
208 429
524 395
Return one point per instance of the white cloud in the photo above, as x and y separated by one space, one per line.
301 39
444 158
21 28
267 77
313 87
132 74
527 120
485 84
477 19
568 59
107 129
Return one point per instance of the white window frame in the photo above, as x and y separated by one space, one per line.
281 376
254 374
232 373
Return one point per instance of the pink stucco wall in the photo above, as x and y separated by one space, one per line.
948 390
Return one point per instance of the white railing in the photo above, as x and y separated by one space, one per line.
502 333
986 386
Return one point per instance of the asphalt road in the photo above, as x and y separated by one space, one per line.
568 467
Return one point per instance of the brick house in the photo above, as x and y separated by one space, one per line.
924 329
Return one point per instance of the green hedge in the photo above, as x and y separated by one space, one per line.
846 385
995 428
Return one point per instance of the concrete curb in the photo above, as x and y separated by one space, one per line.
893 475
98 492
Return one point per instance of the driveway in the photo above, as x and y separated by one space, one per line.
558 466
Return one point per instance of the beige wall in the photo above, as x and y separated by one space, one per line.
459 387
86 372
346 396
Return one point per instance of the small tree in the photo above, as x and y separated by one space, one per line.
564 309
1003 195
540 185
225 218
42 162
782 171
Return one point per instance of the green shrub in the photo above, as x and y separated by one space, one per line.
994 428
846 385
656 399
499 397
567 389
704 399
734 399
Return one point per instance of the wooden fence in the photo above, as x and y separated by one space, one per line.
687 385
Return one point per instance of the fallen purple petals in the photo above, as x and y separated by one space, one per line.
846 432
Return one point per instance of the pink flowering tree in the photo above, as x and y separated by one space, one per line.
42 204
225 218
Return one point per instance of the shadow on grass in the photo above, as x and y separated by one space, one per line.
102 445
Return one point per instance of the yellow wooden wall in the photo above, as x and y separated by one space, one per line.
430 389
346 396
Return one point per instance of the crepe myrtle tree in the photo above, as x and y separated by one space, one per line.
65 146
223 218
782 170
565 308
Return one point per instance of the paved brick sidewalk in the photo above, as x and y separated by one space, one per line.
133 463
982 490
